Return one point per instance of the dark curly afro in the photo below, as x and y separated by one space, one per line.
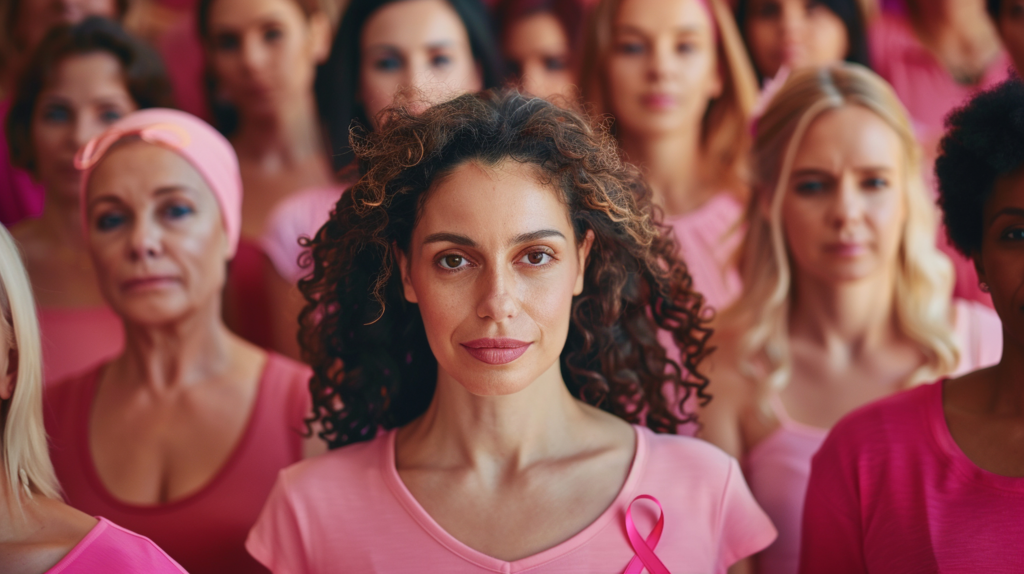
984 141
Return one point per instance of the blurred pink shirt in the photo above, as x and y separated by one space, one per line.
75 339
349 511
110 549
891 492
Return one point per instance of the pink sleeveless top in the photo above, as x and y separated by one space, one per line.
708 237
204 531
110 549
77 339
779 467
246 294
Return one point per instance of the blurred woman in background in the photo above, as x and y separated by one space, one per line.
82 79
540 43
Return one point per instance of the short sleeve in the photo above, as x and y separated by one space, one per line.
277 539
831 540
298 216
745 529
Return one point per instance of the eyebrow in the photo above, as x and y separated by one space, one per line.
394 48
164 190
628 29
1018 211
467 242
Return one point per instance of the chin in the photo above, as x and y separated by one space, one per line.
491 384
151 313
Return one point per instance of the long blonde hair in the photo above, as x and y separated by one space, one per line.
725 136
26 459
924 280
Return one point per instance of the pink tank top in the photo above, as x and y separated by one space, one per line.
779 467
204 531
708 237
77 339
246 295
110 549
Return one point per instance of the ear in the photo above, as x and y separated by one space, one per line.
403 268
583 257
320 36
8 378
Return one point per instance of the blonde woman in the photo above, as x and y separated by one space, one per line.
675 77
39 533
846 297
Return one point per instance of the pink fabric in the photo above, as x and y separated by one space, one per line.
204 531
77 339
246 291
195 140
708 238
348 511
110 549
891 491
779 467
300 214
20 196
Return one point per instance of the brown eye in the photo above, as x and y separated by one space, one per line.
452 261
536 258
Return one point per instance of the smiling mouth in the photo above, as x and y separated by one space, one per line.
496 351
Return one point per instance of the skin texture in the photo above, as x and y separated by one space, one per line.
661 75
504 440
86 95
795 34
985 409
1011 30
416 52
536 49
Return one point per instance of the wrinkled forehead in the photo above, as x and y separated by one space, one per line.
136 169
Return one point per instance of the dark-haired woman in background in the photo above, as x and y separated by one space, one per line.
801 33
418 52
82 79
540 41
263 57
482 327
932 479
1009 18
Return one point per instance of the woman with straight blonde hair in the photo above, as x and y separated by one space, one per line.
675 77
846 297
38 532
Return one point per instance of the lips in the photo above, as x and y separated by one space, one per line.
659 101
496 351
148 283
846 249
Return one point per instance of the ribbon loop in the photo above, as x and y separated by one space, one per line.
644 549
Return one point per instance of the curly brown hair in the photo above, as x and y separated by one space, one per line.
372 365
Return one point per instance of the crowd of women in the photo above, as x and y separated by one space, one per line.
308 286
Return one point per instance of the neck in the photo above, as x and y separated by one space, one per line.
673 167
61 220
289 135
1008 379
940 19
494 434
855 316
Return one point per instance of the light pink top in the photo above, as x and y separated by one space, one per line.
76 339
299 215
349 511
708 238
110 549
891 492
779 467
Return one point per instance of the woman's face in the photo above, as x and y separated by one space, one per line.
264 53
536 50
663 67
155 234
1001 260
416 52
37 17
1011 29
845 207
85 96
493 266
794 33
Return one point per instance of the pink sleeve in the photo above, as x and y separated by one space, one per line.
300 215
277 540
744 528
831 541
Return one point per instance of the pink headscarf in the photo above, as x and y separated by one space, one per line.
195 140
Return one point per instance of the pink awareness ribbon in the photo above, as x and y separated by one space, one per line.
645 557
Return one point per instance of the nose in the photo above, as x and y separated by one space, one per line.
253 53
848 205
145 240
497 301
660 63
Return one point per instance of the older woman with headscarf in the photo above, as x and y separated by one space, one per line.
180 437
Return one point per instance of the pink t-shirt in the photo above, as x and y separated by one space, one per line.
891 491
300 214
779 467
349 511
110 549
77 339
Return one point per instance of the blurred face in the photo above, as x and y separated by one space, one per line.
86 95
794 33
155 234
417 52
37 17
493 266
264 53
1001 260
536 50
663 68
1011 28
845 209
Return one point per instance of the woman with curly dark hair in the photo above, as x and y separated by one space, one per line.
482 323
898 484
